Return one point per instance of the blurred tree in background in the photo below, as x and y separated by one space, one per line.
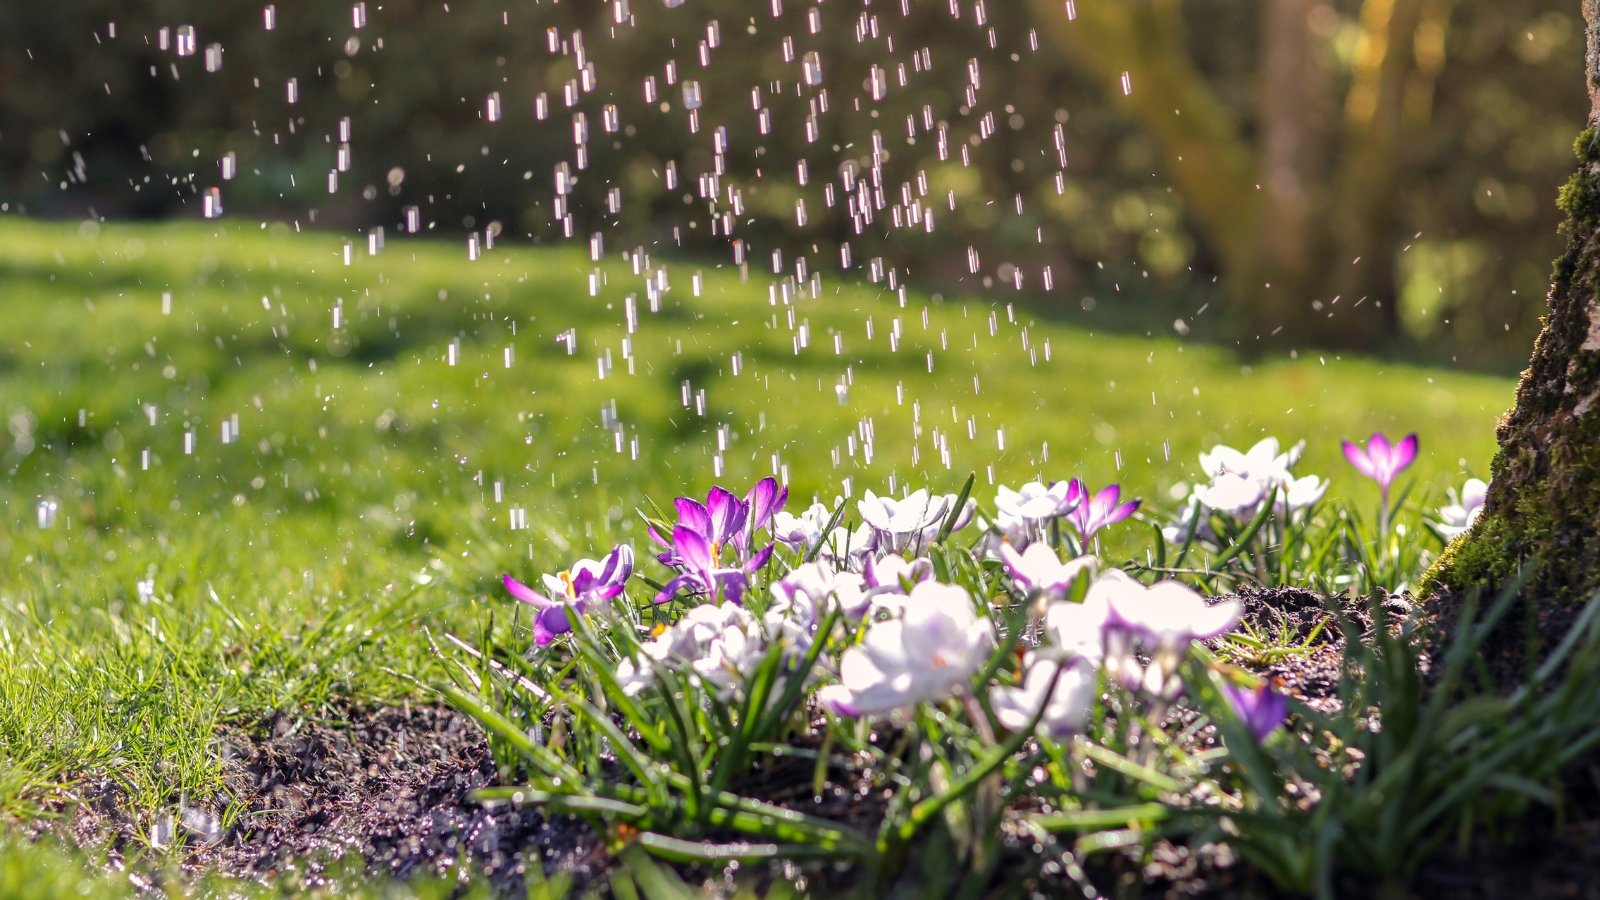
1400 155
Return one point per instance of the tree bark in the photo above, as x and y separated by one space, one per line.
1541 523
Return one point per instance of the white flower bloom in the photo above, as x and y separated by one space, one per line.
1038 568
819 583
1232 493
1301 492
928 653
804 530
1240 482
1165 617
1464 508
1067 706
906 524
1076 631
719 643
1261 462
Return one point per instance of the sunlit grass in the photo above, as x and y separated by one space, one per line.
175 581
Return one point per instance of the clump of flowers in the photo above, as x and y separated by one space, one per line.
934 666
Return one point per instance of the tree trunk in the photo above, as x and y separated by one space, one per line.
1542 519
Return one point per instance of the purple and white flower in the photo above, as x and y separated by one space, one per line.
587 583
926 654
701 573
1380 460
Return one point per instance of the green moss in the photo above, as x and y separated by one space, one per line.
1580 196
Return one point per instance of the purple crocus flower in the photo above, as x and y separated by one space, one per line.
702 572
588 581
1380 461
725 521
1090 514
1261 710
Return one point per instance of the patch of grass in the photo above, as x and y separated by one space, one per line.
242 475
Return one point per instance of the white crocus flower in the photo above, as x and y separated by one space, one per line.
1022 515
820 583
804 530
1165 618
1076 631
1261 462
1464 508
719 643
1039 570
1301 493
901 525
928 653
1067 699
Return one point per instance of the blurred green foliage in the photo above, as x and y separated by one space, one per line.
100 120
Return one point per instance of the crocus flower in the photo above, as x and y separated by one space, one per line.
1022 515
820 583
803 531
1094 513
1262 462
587 582
1067 699
1382 461
1165 618
1261 710
1076 631
901 525
718 644
1240 482
701 572
1039 570
1464 508
928 653
724 521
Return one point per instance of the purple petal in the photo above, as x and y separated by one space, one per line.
1378 448
619 565
693 513
1014 565
693 548
550 622
671 588
1405 452
765 499
1123 511
1359 459
1077 493
759 559
727 514
733 584
526 594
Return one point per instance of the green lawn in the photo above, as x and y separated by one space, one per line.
241 475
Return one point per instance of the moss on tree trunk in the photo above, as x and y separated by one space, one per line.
1542 517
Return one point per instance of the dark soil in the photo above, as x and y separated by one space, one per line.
390 787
